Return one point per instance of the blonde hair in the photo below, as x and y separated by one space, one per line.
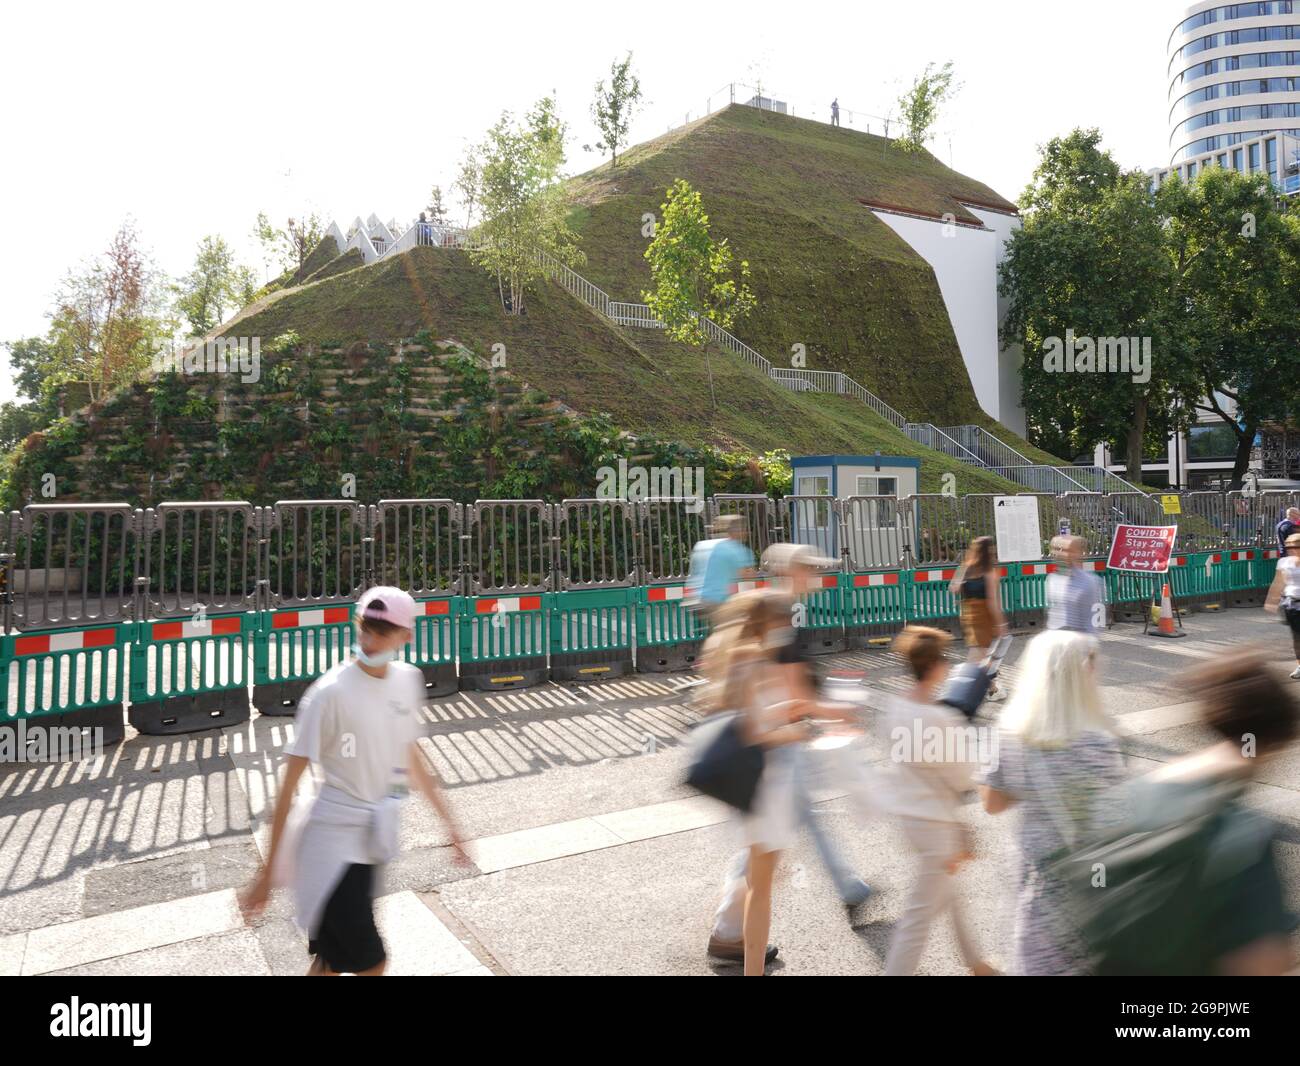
737 638
1056 697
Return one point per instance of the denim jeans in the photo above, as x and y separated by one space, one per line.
728 922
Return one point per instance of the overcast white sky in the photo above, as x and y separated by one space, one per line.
190 119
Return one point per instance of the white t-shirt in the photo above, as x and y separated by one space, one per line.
359 728
1290 566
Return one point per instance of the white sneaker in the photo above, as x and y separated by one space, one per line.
1000 694
1295 674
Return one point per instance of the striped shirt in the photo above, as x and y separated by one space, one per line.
1073 601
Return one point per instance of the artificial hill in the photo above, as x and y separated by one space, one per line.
347 387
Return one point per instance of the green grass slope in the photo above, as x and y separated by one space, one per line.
788 194
648 385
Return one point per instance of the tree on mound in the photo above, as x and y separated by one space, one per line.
523 207
694 276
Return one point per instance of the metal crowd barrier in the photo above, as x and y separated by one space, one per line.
181 612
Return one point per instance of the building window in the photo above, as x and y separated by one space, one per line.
1237 160
1205 443
1270 152
879 513
815 512
1254 158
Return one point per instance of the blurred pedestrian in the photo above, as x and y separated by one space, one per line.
1289 525
743 658
1189 881
717 565
927 793
794 568
835 112
360 723
979 589
1076 599
1284 594
1057 757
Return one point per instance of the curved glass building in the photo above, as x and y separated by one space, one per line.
1234 78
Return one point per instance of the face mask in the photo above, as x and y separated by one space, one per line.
382 658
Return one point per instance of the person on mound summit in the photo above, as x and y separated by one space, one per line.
360 723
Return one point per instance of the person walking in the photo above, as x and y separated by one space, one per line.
794 568
1289 525
1076 599
1284 594
1057 759
926 794
717 565
359 723
977 585
1193 886
744 659
835 112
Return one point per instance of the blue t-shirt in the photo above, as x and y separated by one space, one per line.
716 566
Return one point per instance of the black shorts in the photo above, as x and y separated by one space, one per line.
346 940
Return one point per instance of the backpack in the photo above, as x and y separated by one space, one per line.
1167 882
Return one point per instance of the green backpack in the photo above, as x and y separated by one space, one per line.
1147 897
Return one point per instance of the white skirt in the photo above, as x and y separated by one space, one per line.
773 822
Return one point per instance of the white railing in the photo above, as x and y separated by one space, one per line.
1051 479
634 315
935 438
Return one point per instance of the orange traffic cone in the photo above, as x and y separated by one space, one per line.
1165 628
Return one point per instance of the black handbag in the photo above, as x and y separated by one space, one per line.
723 763
969 683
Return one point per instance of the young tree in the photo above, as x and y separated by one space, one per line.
613 108
695 277
524 213
290 246
108 320
214 283
469 183
919 106
436 211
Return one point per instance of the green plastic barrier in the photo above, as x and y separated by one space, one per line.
189 674
874 605
70 679
502 642
668 637
591 633
433 643
292 648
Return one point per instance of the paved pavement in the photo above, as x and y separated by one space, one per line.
590 855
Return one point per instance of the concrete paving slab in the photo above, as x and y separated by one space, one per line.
105 936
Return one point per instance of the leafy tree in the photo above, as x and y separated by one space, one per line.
290 246
1090 262
469 183
1235 250
524 213
920 105
613 107
108 320
214 283
695 277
